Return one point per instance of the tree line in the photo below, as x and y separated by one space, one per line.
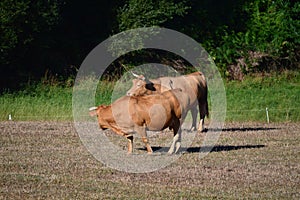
42 39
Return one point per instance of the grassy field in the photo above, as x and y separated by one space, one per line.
42 156
46 160
246 100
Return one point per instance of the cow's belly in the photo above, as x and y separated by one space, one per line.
159 118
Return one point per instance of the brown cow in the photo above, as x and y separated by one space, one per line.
155 112
193 85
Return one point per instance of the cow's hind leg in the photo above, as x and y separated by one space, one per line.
194 112
148 147
203 108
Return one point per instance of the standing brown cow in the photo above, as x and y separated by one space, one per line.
193 85
155 112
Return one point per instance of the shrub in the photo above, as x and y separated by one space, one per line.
271 34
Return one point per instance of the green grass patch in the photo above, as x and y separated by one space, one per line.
246 100
38 102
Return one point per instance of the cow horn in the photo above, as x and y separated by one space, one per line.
135 75
141 77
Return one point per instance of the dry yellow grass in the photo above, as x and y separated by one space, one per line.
46 160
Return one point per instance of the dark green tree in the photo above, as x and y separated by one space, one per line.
145 13
22 25
21 22
138 14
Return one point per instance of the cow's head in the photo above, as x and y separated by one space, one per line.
141 86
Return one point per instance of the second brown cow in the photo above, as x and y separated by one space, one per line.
193 86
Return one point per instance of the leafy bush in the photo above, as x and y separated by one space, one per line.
272 31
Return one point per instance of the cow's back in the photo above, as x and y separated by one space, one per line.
194 85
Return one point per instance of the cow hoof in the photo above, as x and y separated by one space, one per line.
178 145
170 152
201 129
193 128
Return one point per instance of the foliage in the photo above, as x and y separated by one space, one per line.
53 37
145 13
21 22
272 30
138 14
274 27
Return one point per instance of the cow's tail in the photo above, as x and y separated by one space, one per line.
205 94
206 91
93 111
207 112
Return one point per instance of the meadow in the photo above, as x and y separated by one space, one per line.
42 156
47 160
247 100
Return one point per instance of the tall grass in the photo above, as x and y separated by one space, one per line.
246 100
280 94
39 102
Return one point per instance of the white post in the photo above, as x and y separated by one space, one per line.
267 113
9 117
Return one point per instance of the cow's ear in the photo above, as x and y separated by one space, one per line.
142 77
150 86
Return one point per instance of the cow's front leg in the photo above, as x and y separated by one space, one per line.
141 130
130 143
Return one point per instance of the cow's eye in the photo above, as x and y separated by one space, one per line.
138 85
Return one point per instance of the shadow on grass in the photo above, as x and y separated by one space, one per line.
242 129
204 149
219 148
237 129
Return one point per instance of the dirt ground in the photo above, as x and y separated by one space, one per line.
47 160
